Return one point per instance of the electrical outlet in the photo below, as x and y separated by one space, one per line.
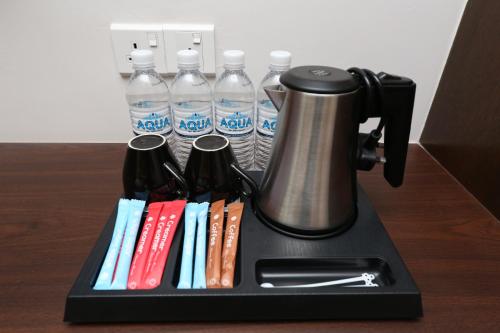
199 37
127 37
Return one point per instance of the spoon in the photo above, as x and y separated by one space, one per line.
367 278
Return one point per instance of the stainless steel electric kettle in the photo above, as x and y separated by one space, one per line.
309 188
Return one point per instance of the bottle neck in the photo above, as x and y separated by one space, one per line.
234 68
275 68
143 67
143 70
190 68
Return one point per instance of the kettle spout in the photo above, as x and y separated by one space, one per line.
276 94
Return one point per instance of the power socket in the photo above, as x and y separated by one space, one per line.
199 37
127 37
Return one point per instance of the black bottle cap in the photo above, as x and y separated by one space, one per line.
319 80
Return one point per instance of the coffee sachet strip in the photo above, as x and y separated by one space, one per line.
213 268
230 249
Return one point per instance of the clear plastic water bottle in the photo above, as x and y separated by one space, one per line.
234 107
191 104
148 98
267 115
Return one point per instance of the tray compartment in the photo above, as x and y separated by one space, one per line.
295 271
178 258
100 261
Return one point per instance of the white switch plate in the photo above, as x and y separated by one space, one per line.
126 37
199 37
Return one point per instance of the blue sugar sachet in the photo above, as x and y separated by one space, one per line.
127 250
199 278
105 276
186 276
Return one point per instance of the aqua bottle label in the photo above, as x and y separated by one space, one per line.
267 118
234 121
151 120
191 121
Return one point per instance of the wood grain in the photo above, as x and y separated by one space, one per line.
463 128
55 198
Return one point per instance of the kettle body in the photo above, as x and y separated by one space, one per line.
309 186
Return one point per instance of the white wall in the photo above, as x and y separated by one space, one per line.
58 81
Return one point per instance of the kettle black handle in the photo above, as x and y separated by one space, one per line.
399 97
391 99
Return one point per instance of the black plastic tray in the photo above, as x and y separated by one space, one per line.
264 255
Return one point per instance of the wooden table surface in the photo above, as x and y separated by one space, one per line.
55 198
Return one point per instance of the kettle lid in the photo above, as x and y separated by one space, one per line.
319 80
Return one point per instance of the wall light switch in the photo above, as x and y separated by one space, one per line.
199 37
153 39
127 37
196 38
